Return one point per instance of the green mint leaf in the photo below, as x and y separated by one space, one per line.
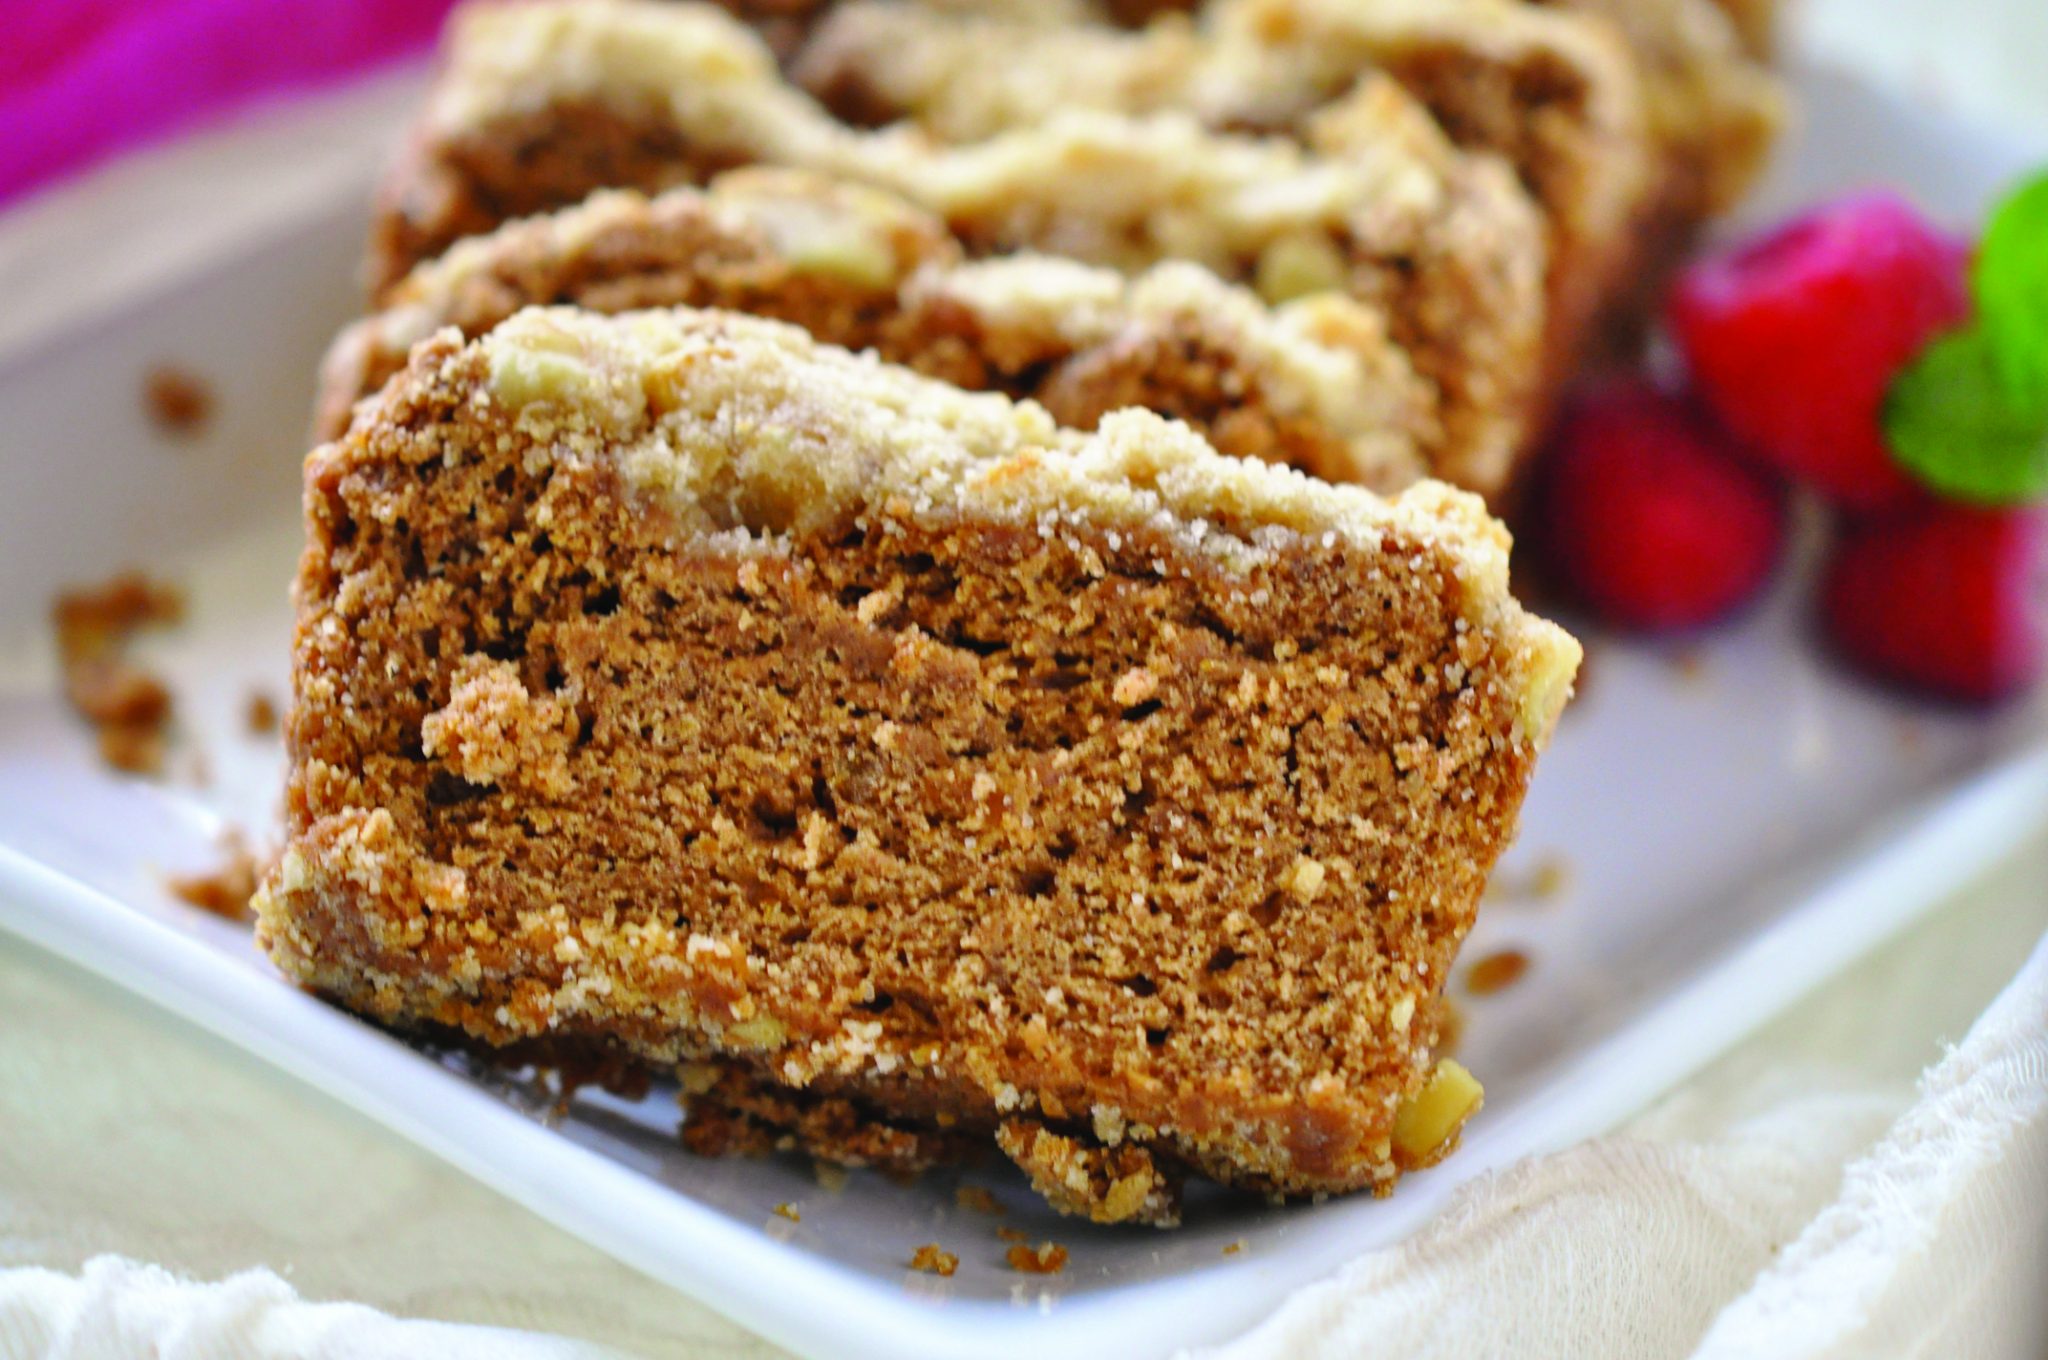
1952 421
2011 287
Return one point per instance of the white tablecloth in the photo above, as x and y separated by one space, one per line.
1867 1176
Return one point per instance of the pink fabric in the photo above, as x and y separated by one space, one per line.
80 79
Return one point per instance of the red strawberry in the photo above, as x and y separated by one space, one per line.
1793 341
1949 601
1648 515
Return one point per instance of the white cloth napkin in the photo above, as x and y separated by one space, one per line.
1742 1228
118 1308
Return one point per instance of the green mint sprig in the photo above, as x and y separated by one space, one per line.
1969 416
2010 284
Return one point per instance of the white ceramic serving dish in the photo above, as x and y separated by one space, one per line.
1737 822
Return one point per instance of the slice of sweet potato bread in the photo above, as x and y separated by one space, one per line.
1316 383
904 766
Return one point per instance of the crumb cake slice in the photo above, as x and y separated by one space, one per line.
540 104
1316 383
906 769
1552 93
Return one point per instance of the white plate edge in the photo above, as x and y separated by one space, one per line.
1865 901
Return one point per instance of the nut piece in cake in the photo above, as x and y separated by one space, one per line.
1315 383
850 813
540 104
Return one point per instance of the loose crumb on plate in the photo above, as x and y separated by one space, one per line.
1552 880
179 402
1234 1248
1047 1258
226 889
260 714
788 1211
1496 972
1549 880
130 708
979 1200
1013 1234
1690 665
934 1260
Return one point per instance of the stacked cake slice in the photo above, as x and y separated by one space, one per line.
543 103
1316 383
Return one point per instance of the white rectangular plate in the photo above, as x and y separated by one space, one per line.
1738 820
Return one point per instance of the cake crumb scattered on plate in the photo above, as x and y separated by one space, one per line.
179 402
1496 972
979 1200
1047 1258
933 1259
1550 879
1234 1248
226 889
128 706
1690 665
788 1211
1013 1234
260 714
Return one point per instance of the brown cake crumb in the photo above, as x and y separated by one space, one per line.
788 1211
492 732
1496 972
1009 1234
934 1260
260 714
129 706
179 403
225 890
980 1201
1047 1258
1234 1248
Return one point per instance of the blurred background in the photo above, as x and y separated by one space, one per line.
84 79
